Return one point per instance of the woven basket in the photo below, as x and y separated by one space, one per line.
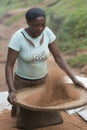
38 99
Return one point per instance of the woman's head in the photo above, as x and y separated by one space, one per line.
33 13
36 19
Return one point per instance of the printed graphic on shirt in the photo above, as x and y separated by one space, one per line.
39 57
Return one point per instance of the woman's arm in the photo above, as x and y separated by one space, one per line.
9 68
11 59
62 64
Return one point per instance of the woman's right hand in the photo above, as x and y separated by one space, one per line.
12 97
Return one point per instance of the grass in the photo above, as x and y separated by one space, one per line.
67 18
15 4
14 19
78 61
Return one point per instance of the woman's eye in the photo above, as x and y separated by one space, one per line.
39 25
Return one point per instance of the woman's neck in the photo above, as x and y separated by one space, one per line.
29 31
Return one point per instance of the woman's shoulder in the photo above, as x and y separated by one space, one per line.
19 31
50 34
17 34
47 29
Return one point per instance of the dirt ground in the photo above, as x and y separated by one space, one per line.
71 122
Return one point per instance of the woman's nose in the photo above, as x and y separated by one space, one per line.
40 28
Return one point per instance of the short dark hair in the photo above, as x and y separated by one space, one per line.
33 13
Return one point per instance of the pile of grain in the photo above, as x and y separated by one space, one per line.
55 91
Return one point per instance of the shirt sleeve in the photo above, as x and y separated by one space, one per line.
14 42
51 35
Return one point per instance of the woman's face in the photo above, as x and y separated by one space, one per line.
37 26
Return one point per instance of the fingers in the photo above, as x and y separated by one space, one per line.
11 98
85 88
81 86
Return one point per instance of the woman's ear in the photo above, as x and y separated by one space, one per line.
27 22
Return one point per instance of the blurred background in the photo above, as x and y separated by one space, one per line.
67 18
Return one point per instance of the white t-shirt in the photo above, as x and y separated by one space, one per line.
31 61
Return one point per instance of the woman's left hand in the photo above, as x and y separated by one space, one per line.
79 84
